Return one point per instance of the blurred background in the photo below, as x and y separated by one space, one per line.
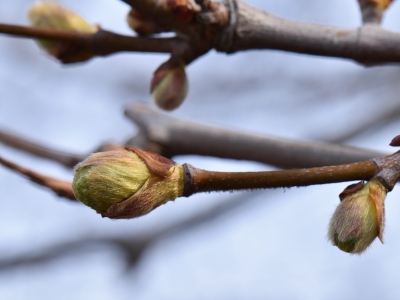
259 245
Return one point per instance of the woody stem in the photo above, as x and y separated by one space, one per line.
198 180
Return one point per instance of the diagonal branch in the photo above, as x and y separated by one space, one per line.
67 159
60 187
132 247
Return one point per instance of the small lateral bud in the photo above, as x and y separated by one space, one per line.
169 85
396 141
141 24
128 183
54 16
359 218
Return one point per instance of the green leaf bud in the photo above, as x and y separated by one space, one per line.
359 218
127 183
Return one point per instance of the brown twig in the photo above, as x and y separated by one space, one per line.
385 169
131 247
198 180
101 43
16 141
60 187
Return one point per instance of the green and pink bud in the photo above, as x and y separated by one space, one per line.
359 218
169 85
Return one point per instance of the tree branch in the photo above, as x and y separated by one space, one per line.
131 247
199 181
67 159
247 28
60 187
250 28
101 43
170 136
368 44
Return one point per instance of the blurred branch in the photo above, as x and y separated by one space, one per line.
170 136
382 116
132 247
60 187
67 159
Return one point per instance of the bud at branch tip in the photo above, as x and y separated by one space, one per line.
127 183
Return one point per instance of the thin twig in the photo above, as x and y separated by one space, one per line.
101 43
16 141
132 247
60 187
